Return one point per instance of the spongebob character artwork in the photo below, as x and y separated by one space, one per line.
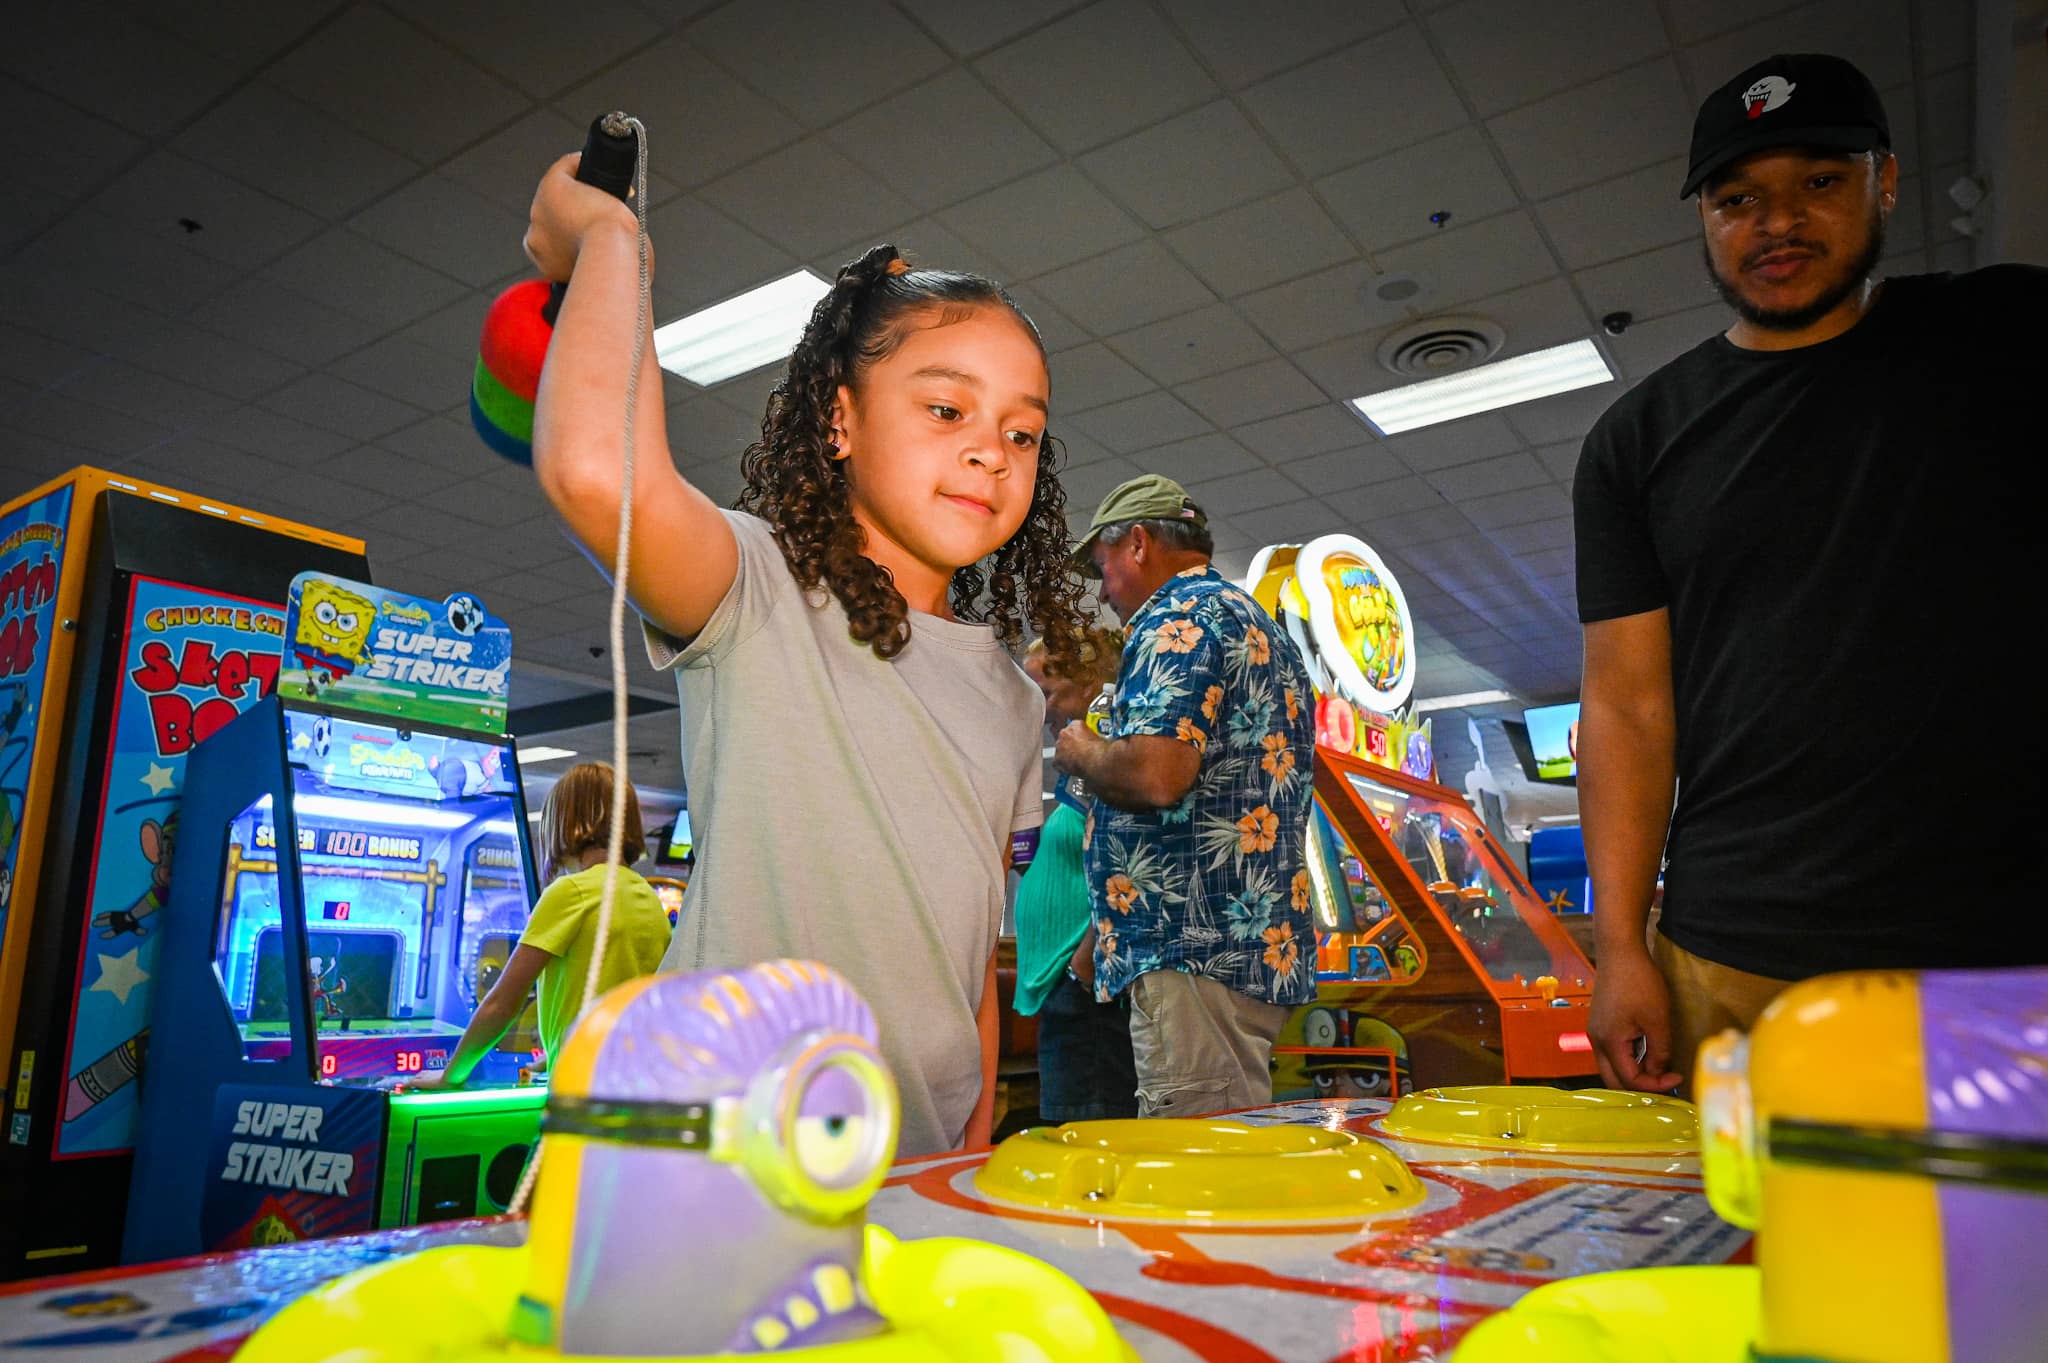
333 633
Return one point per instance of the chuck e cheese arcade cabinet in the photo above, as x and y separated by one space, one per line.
1436 962
137 620
354 871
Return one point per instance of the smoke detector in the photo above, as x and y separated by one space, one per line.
1436 346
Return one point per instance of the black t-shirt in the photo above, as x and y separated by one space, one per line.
1843 535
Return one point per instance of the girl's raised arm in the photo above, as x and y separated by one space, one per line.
683 553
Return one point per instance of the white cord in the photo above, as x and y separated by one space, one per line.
615 849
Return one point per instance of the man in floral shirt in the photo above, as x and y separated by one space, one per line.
1201 791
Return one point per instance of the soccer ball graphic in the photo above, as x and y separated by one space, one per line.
464 614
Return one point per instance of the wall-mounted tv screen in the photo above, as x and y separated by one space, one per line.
1554 740
677 845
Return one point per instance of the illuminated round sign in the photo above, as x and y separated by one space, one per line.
1359 620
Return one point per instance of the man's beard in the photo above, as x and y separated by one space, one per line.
1830 298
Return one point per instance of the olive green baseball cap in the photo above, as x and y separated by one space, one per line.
1148 497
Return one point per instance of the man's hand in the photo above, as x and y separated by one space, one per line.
1631 1003
1074 746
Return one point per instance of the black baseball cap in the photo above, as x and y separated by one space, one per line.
1801 99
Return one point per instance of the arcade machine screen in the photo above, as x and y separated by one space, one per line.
1360 935
1480 899
415 893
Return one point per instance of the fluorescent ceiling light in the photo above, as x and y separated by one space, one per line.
759 327
1503 383
1460 702
542 753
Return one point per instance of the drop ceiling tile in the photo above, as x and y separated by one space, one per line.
1242 43
1409 528
1644 349
1304 313
1561 142
505 495
1261 243
344 408
395 84
704 428
1188 462
1043 221
31 123
315 498
1622 216
1543 563
260 431
1055 328
969 27
444 442
1346 368
294 151
1871 33
269 317
720 479
1390 199
353 274
37 361
144 395
94 56
539 48
1075 449
107 433
1553 533
1482 478
1951 109
1257 391
1202 162
1517 508
1535 316
721 257
379 470
1140 423
1192 346
1471 262
1091 375
1086 487
1126 288
807 197
188 459
450 229
1241 492
1947 36
1290 522
676 92
1568 416
1562 459
1506 53
1654 284
240 226
1465 441
1356 104
1956 256
400 367
121 259
830 57
942 141
1298 435
1388 498
1110 69
1340 470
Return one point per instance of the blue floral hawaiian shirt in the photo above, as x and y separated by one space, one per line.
1218 884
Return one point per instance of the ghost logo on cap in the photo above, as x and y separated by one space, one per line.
1770 93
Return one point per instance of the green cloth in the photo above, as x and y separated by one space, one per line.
564 925
1052 907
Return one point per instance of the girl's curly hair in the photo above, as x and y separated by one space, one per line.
796 485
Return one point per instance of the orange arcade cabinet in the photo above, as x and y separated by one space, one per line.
1436 961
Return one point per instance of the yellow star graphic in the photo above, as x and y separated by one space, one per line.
119 975
159 779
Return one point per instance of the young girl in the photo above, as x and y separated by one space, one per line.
858 742
575 831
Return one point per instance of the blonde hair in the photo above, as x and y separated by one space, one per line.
577 816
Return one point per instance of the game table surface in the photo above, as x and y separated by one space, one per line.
1402 1286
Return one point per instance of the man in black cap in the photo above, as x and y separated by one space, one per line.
1793 540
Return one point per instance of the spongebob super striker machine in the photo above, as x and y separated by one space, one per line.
354 873
1436 962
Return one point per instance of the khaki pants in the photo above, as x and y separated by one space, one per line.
1706 1000
1200 1046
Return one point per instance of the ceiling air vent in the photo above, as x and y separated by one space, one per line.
1440 345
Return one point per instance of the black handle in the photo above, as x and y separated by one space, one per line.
610 152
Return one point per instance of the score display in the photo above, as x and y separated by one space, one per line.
335 910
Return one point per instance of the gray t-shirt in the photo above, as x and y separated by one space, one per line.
856 812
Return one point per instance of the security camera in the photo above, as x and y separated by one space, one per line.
1614 323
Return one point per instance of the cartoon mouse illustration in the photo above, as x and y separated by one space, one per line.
157 842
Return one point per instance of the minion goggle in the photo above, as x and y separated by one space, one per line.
815 1129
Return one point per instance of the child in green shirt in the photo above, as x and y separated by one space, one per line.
575 830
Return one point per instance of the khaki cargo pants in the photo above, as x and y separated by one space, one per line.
1200 1046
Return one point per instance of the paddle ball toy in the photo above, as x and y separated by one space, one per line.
520 324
